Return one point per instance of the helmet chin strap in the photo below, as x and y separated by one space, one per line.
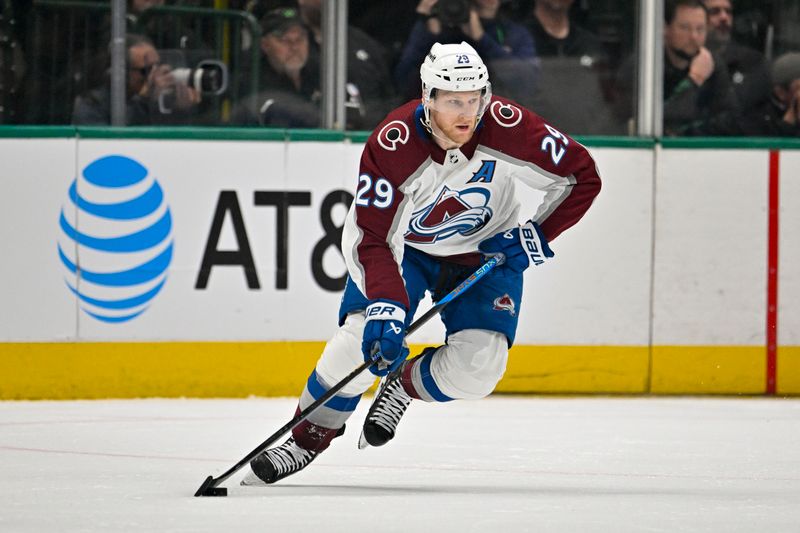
447 140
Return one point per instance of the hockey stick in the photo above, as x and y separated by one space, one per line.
210 486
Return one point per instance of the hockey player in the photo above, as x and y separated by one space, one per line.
435 196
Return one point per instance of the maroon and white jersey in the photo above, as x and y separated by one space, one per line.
413 193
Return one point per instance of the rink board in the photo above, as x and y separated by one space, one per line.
279 206
233 369
613 313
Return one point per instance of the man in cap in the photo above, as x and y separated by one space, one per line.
289 82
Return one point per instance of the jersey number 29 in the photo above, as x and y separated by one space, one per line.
556 143
380 195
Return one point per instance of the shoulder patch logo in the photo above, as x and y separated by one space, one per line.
505 303
393 134
506 115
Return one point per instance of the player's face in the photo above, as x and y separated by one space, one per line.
687 32
456 114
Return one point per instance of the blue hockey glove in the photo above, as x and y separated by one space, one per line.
519 247
384 335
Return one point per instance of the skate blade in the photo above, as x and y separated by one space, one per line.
252 480
362 440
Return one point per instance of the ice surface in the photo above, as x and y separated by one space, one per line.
501 464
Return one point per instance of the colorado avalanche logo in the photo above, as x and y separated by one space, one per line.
506 115
394 133
452 213
505 303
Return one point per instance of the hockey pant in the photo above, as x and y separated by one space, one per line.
467 367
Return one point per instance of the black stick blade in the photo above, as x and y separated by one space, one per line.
208 489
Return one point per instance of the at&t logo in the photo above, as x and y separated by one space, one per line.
116 238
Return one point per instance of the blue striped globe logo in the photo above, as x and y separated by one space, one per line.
116 239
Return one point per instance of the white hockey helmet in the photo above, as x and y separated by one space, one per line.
454 67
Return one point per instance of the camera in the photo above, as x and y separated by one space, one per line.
208 77
452 12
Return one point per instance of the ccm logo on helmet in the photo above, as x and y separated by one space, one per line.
466 78
506 115
394 133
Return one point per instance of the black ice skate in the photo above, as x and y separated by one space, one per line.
385 413
277 463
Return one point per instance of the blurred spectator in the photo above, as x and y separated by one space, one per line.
747 67
780 115
66 54
136 7
289 93
372 16
556 35
259 8
175 34
152 94
698 95
370 93
505 46
13 64
574 68
786 23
